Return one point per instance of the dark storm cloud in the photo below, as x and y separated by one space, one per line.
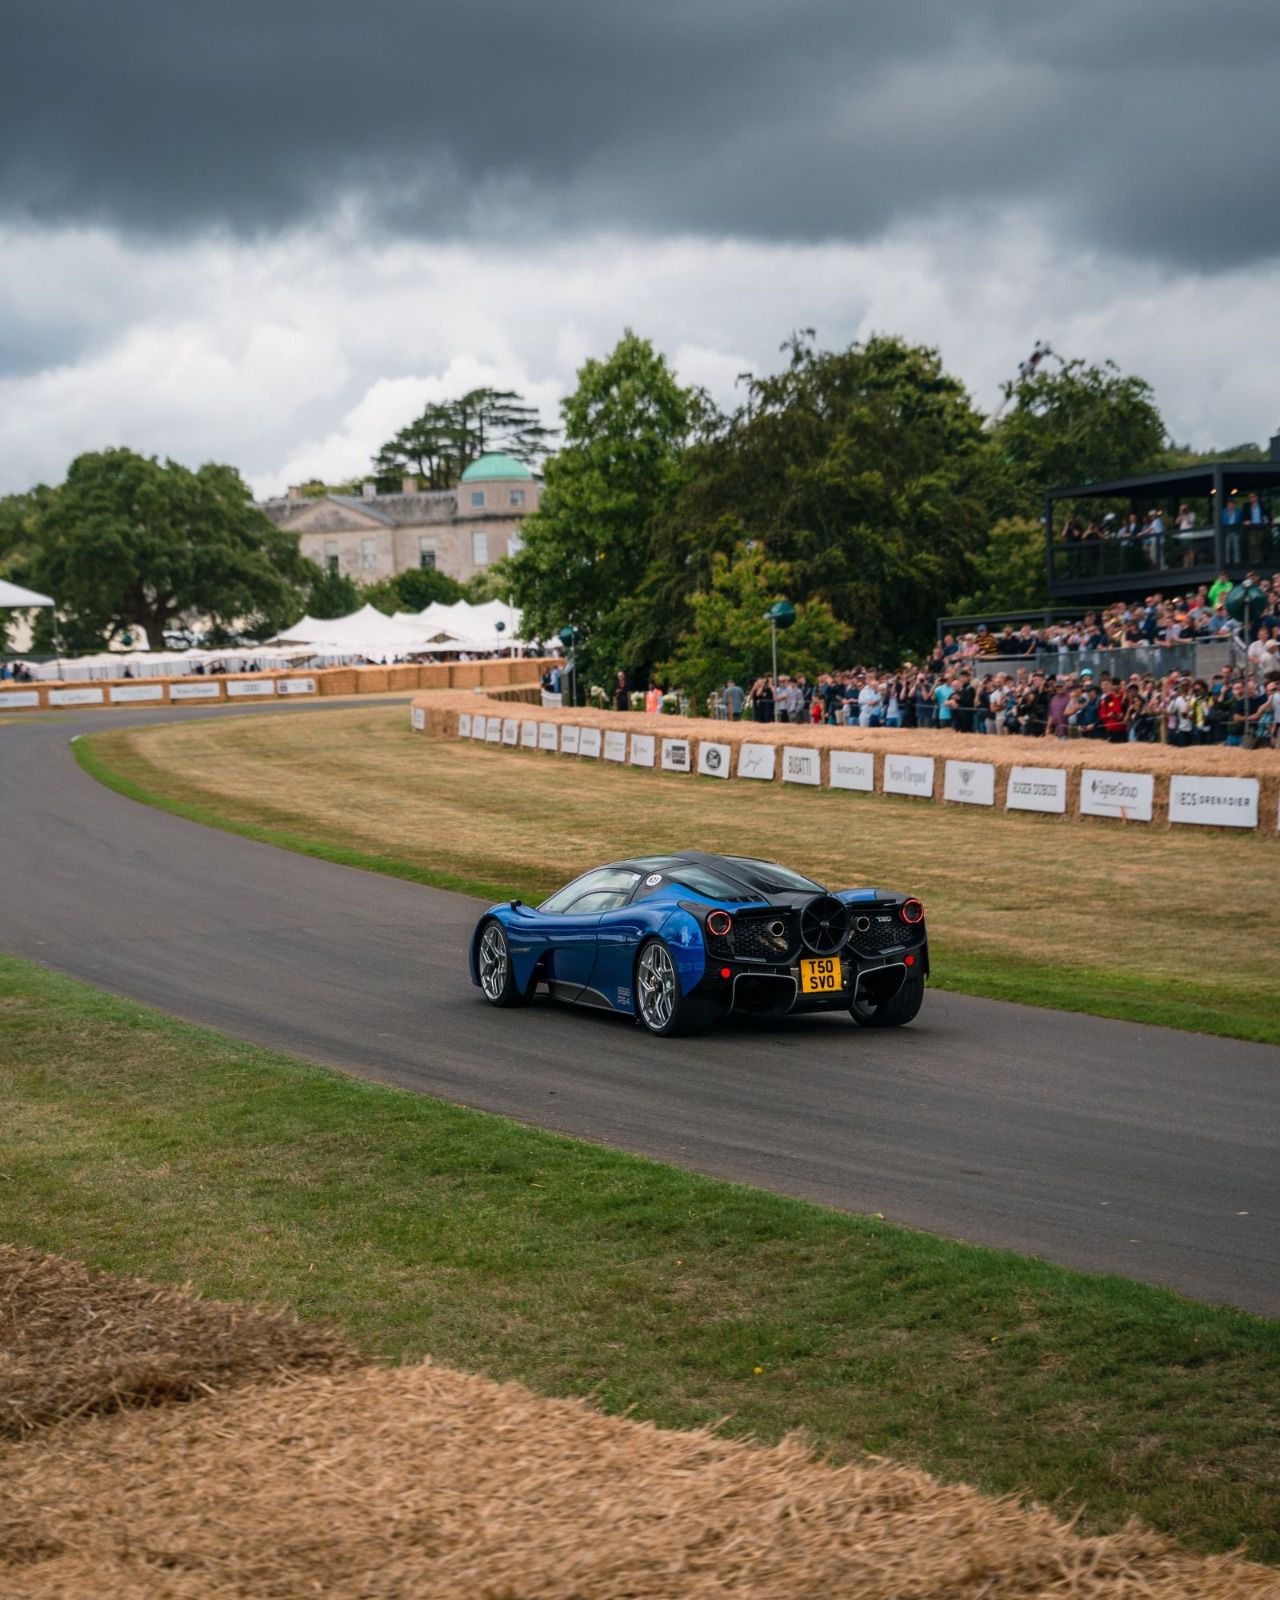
1144 129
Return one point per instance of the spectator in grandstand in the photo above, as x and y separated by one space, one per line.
1232 518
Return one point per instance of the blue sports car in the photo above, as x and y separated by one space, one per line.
677 941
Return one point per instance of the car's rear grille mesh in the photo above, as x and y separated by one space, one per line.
752 939
887 934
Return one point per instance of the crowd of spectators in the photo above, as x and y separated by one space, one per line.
1161 540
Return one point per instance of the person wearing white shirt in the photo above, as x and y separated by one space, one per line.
870 704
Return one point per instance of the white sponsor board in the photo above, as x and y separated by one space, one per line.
589 743
122 693
510 730
76 697
464 725
715 760
295 685
240 687
969 783
756 760
642 749
800 765
615 745
479 727
676 756
908 775
1036 789
493 730
1215 802
548 736
569 735
193 691
418 718
853 769
1117 794
20 697
529 734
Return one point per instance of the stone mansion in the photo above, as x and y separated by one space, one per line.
455 531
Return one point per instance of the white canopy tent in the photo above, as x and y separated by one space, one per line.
438 629
13 597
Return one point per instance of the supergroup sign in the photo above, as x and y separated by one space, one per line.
1130 796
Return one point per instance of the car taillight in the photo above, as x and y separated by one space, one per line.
719 923
912 911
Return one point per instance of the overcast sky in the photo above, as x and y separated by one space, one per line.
268 232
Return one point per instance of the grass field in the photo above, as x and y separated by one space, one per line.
148 1146
1174 927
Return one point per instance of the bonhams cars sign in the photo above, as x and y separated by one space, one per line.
908 775
1214 802
1130 795
589 743
1036 789
615 745
970 783
642 751
853 769
756 760
714 759
675 756
801 765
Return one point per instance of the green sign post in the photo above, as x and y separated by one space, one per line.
781 614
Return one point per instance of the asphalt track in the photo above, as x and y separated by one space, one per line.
1101 1145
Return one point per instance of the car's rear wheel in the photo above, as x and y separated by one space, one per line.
660 1005
890 1013
495 969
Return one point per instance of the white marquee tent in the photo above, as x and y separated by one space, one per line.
13 597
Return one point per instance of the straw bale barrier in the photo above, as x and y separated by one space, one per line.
420 1481
212 688
74 1342
439 714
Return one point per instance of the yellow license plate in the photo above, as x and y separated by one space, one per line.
821 976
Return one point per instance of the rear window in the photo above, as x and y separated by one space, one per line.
773 877
703 881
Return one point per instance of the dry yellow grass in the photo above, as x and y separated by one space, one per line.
421 1481
1181 907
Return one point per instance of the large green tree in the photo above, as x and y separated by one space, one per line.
447 436
1068 422
867 471
587 547
412 590
129 544
728 635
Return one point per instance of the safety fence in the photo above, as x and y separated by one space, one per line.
236 687
1151 788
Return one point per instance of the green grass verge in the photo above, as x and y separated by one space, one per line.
1126 993
148 1146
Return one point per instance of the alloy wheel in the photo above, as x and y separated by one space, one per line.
656 987
494 962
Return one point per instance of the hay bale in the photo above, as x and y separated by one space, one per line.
74 1341
422 1481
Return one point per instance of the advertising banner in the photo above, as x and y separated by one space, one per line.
418 718
908 775
756 760
1214 802
121 693
1036 789
548 736
714 759
589 743
464 725
194 691
570 734
529 734
76 697
615 745
295 685
1130 795
479 728
510 730
676 756
852 769
493 730
642 749
20 697
970 783
239 688
801 765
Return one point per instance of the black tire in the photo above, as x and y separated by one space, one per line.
892 1013
661 1008
495 970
